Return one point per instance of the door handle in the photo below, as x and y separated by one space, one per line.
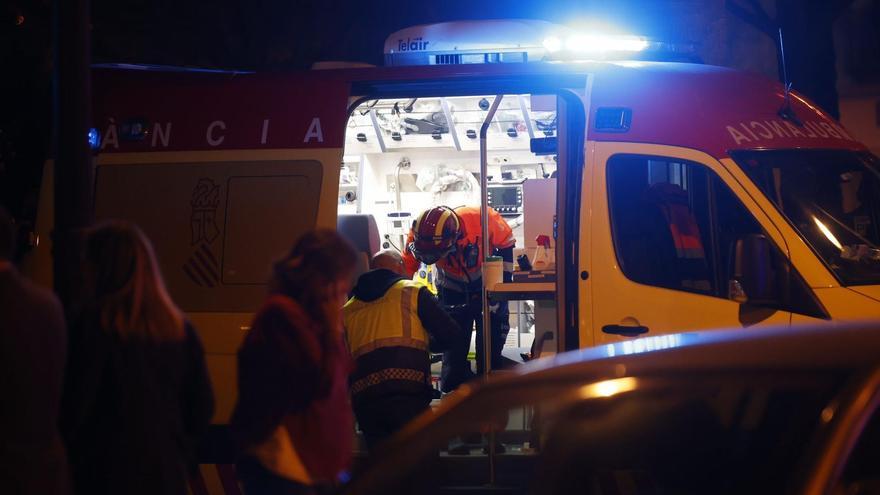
626 331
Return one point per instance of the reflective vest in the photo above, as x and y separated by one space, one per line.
672 201
691 263
390 321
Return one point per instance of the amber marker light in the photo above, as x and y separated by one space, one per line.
608 388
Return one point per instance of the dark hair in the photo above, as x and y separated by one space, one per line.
129 294
317 261
7 235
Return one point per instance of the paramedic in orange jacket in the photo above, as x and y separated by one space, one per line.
451 240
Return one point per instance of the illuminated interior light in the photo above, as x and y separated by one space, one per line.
552 44
605 44
351 158
609 388
827 233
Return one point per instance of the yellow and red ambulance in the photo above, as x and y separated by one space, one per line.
679 196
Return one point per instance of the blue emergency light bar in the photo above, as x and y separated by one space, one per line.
519 41
596 44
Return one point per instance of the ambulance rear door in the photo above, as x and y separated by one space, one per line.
666 222
223 173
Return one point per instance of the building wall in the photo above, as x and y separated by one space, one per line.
861 116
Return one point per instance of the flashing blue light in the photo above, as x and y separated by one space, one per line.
94 138
605 44
552 44
596 44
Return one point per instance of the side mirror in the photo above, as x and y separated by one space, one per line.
754 281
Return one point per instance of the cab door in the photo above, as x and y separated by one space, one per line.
665 225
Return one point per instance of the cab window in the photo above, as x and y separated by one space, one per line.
675 224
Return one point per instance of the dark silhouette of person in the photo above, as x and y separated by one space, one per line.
33 346
137 394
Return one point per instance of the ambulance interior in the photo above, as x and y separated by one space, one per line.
403 156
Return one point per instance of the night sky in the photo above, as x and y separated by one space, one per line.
262 34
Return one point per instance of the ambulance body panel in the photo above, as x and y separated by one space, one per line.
224 171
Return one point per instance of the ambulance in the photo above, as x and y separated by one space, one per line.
675 196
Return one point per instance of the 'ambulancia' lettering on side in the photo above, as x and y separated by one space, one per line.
747 132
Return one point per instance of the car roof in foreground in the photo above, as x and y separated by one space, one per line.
854 345
836 347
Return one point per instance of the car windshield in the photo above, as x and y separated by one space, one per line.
832 198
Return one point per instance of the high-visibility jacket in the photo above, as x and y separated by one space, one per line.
464 266
388 342
691 264
672 201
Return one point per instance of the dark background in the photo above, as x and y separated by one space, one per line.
829 44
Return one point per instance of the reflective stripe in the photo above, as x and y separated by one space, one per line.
684 230
386 375
672 201
405 311
389 342
438 230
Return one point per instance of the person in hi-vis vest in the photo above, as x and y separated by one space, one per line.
450 239
391 324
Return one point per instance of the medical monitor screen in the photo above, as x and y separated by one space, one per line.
505 196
